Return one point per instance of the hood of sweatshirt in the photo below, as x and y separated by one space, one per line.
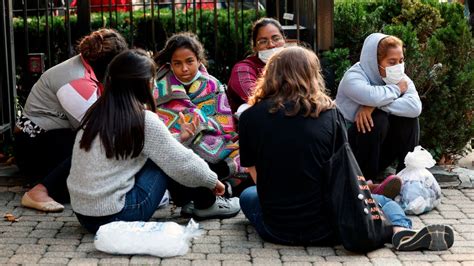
368 58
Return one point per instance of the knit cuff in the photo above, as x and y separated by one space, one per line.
211 180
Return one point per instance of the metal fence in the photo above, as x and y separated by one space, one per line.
7 73
46 31
110 11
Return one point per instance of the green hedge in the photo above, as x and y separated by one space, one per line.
230 47
434 34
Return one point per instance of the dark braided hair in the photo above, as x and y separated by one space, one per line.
100 47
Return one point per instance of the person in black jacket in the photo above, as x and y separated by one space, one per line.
286 137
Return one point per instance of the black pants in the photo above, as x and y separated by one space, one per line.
55 182
48 157
203 197
222 170
391 138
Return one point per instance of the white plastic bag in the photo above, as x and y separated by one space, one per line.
161 239
420 191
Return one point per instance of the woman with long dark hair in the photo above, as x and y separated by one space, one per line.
124 156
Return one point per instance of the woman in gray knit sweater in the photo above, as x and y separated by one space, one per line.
124 156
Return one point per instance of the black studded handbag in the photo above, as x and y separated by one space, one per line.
360 224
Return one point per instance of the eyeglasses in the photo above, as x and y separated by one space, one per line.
276 39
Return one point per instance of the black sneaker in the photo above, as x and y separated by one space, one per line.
187 209
432 237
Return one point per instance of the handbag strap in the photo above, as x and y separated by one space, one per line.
341 133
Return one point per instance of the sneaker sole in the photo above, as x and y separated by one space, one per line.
220 216
402 235
433 237
185 214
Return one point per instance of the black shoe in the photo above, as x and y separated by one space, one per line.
432 237
187 210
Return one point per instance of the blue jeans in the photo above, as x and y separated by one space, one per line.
140 202
250 205
393 211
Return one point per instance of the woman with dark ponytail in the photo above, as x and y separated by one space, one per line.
45 130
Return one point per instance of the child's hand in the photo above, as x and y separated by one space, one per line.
219 190
187 129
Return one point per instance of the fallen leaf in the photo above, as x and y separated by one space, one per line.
10 217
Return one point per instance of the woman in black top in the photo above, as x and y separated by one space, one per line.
286 137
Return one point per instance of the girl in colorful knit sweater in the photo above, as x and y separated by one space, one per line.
186 92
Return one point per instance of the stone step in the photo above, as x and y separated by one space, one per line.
450 176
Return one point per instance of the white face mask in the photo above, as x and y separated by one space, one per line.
394 73
266 54
198 75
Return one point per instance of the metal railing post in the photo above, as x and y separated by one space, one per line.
7 74
84 17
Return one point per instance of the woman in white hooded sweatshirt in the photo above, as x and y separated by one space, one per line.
381 104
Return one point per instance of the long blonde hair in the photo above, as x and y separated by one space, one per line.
293 76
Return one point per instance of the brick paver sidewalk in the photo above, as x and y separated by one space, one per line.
57 238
